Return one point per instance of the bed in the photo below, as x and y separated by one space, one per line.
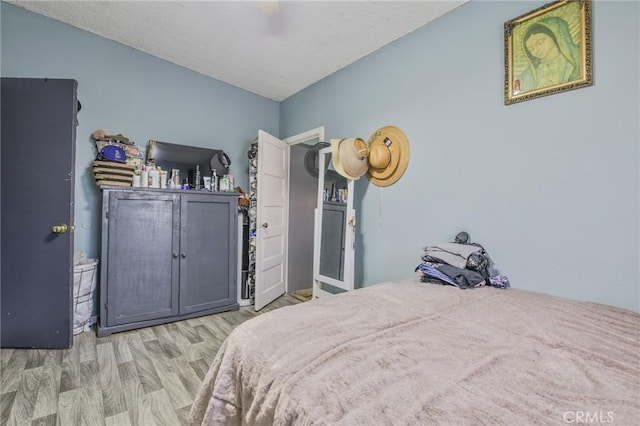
407 352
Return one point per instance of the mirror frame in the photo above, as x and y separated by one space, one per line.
347 283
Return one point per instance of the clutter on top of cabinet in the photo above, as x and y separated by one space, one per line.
113 173
191 163
112 153
133 156
243 198
117 159
167 165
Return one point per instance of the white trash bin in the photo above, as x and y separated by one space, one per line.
85 280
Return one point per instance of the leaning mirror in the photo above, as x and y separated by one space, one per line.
334 225
334 221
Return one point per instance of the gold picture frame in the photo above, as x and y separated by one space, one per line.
548 51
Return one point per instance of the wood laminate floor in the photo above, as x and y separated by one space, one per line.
141 377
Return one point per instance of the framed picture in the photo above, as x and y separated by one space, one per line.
548 51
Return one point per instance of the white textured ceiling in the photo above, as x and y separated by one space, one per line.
246 44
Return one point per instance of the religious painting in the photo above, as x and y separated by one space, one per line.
548 51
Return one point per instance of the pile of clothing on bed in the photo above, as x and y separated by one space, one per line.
462 264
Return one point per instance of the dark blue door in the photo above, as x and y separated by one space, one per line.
38 131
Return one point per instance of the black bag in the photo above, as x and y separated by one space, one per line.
478 261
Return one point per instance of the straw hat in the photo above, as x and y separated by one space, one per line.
388 155
349 157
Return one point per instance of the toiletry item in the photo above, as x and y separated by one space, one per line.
144 177
214 180
185 184
163 179
154 178
198 184
207 183
224 183
136 181
175 179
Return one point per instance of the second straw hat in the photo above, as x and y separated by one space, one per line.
349 157
388 155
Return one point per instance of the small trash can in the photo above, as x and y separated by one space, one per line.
85 280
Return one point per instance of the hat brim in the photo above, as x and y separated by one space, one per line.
400 153
346 161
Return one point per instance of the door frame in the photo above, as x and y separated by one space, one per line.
310 135
317 134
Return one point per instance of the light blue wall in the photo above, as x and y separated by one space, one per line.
125 91
550 186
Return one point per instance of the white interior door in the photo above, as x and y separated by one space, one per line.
272 219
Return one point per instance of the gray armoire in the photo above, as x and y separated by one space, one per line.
167 255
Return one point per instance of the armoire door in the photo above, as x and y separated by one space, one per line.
142 262
209 227
37 185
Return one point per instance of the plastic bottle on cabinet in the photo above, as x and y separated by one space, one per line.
163 178
224 183
154 178
198 179
175 179
144 177
214 180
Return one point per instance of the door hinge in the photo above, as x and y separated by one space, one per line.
106 214
106 307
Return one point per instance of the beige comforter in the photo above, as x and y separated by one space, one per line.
407 353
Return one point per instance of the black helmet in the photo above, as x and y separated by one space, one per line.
462 238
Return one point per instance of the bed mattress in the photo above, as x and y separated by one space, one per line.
406 352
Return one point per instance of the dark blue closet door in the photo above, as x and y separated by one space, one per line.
38 131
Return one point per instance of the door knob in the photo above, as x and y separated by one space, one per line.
60 229
183 255
265 225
